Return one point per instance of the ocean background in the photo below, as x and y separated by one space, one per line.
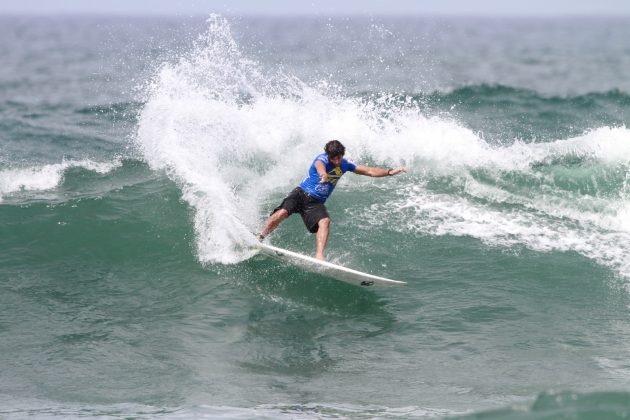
138 153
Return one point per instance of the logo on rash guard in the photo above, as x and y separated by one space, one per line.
334 175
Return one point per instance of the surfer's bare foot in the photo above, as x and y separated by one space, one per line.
260 237
320 257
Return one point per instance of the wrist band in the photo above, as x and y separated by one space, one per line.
389 172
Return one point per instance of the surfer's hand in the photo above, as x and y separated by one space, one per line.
397 171
323 179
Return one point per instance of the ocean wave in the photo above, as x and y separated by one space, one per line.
121 111
557 405
564 405
230 156
263 411
504 114
478 97
46 177
482 92
567 195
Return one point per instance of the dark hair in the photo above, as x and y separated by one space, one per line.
334 148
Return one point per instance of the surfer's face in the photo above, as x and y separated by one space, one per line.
335 160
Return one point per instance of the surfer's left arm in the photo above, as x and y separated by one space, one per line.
378 172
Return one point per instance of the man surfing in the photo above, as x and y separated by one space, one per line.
308 199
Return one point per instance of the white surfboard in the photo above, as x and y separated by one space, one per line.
327 269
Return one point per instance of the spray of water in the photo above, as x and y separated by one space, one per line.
231 134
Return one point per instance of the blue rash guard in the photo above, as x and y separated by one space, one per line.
322 191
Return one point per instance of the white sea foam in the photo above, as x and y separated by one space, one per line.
46 177
230 135
543 216
421 211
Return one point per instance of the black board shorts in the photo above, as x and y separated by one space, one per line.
311 209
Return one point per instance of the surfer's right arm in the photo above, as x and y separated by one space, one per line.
321 171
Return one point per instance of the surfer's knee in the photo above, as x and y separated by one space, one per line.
324 223
281 214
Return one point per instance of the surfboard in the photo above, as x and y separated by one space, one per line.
326 268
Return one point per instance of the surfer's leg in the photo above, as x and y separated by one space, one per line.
322 237
291 204
273 221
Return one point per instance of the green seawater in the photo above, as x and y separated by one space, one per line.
137 155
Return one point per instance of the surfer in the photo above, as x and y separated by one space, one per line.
308 199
